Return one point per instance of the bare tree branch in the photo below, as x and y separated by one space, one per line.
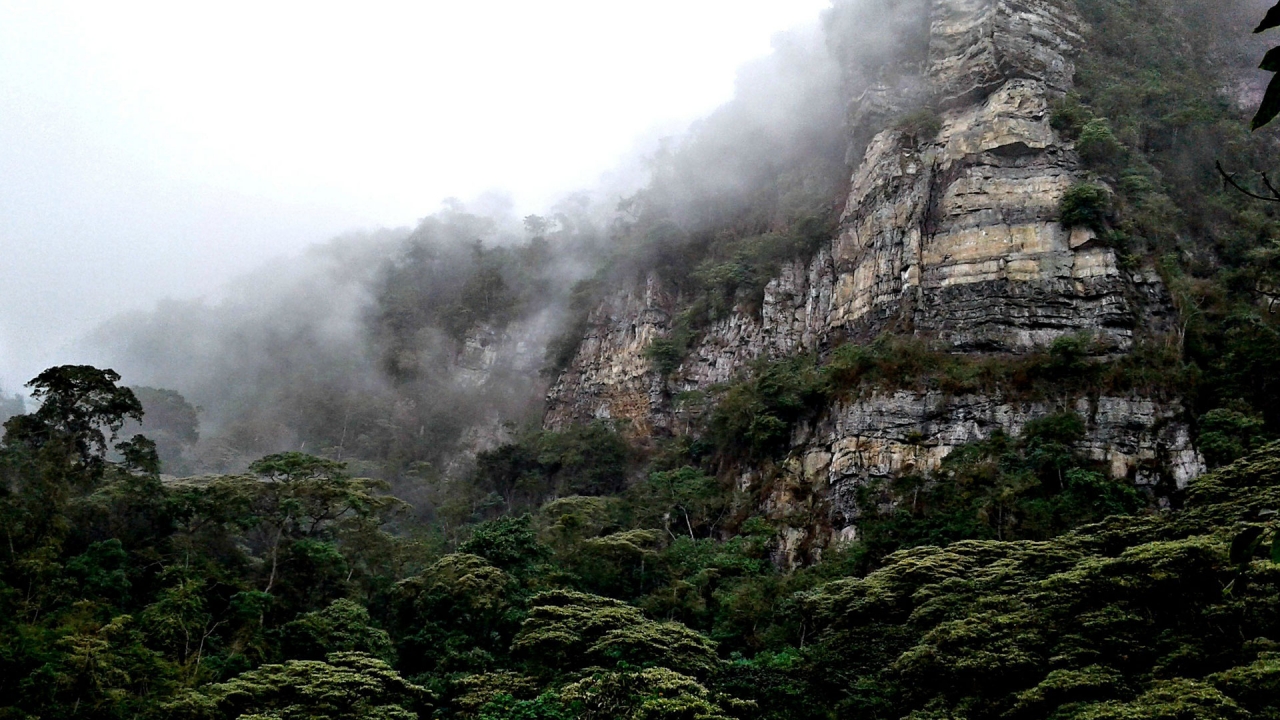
1267 181
1231 180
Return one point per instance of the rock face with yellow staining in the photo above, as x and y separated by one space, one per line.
611 378
956 236
952 237
890 434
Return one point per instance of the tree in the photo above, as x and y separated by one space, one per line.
49 455
585 459
179 622
100 671
508 543
649 694
572 631
686 498
511 471
458 615
294 496
80 406
344 626
344 686
304 522
1228 434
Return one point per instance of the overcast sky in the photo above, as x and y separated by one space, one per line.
153 150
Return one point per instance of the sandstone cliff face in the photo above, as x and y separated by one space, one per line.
610 378
500 364
953 238
889 435
489 354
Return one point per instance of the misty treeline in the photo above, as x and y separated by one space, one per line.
381 529
382 347
11 405
404 351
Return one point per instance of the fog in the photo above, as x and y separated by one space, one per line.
154 151
360 245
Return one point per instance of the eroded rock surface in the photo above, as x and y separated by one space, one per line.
610 378
888 435
953 238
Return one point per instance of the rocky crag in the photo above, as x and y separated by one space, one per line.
952 237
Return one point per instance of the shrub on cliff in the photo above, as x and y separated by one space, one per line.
1085 205
754 418
666 355
920 127
1098 146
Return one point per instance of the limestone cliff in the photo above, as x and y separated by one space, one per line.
951 237
887 435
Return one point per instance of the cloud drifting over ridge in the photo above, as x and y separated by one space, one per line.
154 150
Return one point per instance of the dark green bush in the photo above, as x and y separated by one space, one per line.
1098 145
665 354
590 459
586 459
507 542
921 126
1228 434
1068 115
754 418
1085 205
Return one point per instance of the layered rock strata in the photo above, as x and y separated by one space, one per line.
952 237
887 435
611 378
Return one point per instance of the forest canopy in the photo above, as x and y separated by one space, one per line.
361 515
281 593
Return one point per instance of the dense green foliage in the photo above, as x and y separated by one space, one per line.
1151 120
1016 582
1031 487
1147 617
572 575
754 417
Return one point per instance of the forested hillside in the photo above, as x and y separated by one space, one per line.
339 493
293 592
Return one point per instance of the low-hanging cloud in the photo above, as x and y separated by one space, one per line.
406 351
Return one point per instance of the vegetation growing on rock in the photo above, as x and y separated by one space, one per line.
573 573
1017 583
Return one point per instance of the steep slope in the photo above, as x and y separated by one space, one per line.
949 232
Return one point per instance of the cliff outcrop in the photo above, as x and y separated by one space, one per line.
888 435
951 236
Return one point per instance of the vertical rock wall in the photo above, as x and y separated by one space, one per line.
952 237
886 435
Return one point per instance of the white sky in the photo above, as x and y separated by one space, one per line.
155 149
